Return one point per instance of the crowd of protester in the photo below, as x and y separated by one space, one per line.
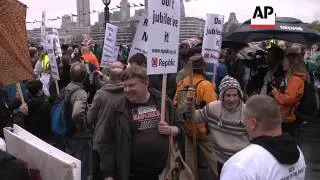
115 111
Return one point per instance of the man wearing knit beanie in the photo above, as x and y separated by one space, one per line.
224 120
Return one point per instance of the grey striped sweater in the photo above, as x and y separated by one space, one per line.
226 127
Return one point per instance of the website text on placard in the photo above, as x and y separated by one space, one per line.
164 18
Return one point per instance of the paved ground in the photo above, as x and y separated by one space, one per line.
310 145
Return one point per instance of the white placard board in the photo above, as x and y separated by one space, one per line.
163 36
45 79
212 38
40 157
54 69
139 44
43 30
116 52
56 42
109 45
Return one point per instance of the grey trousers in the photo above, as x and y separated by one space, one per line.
206 146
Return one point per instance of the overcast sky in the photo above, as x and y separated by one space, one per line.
306 10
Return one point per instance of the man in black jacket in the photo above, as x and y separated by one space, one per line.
38 120
134 142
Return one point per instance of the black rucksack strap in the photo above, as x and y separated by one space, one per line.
69 109
69 93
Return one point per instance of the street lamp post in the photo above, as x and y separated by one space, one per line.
106 11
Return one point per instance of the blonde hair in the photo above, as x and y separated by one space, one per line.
296 63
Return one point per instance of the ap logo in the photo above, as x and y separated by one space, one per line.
263 17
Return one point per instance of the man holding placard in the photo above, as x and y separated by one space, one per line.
134 143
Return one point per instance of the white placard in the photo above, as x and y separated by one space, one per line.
139 44
109 45
212 37
163 32
37 68
41 158
52 58
45 79
56 42
116 52
43 30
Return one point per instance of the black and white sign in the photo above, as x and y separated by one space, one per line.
139 44
109 45
163 36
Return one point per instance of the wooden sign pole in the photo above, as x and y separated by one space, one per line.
57 86
163 98
18 86
194 136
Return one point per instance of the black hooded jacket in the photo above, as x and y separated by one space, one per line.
283 148
38 120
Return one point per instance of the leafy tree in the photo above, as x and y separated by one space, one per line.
315 25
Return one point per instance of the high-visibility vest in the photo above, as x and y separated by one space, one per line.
272 43
45 63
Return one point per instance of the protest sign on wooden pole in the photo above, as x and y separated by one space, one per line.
52 59
212 40
140 41
162 58
56 42
109 45
163 40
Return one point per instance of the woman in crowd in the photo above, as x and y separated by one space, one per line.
289 98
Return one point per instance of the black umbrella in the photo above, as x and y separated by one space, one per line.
288 29
226 43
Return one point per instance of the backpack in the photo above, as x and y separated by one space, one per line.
61 114
182 95
309 103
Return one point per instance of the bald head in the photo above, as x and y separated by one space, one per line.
117 66
115 70
265 111
78 72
